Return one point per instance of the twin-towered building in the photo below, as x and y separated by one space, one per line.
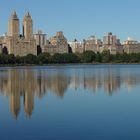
26 42
21 44
14 42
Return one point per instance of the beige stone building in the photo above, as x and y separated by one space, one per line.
76 46
56 44
92 44
113 49
112 44
40 41
131 46
14 42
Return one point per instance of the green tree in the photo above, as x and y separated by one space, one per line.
125 57
30 59
88 56
70 58
106 57
44 58
3 59
11 59
98 57
134 58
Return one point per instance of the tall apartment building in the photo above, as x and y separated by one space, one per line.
16 43
57 44
111 43
131 46
76 46
110 39
40 41
40 38
93 44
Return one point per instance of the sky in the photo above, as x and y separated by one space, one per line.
77 18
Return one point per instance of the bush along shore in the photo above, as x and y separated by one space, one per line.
66 58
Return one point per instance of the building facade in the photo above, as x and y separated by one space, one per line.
131 46
76 46
92 44
14 42
40 40
56 44
110 39
112 44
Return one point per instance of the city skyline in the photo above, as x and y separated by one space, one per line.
78 19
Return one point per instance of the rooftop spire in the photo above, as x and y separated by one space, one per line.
27 14
14 15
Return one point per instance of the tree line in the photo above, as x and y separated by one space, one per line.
85 57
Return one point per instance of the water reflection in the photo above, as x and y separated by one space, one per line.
29 83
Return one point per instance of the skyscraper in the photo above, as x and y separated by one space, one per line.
16 43
13 27
27 26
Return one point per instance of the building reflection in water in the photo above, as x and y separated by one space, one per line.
28 83
13 90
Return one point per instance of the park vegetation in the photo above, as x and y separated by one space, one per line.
66 58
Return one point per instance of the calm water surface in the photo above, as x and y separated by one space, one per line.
83 102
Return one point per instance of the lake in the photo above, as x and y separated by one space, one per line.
71 102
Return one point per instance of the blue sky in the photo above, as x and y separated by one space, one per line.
77 18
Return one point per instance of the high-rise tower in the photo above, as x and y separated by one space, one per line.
27 26
13 29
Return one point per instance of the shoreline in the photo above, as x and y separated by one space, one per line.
65 64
